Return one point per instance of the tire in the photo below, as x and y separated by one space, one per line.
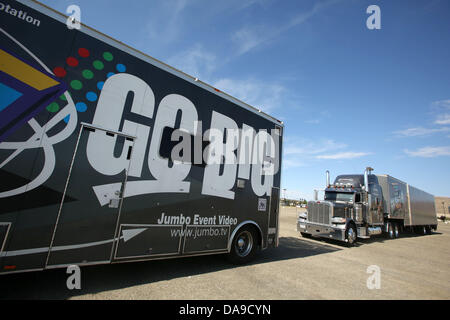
350 235
396 230
244 246
390 230
423 230
305 235
428 230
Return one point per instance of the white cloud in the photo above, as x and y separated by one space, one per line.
250 37
303 147
195 61
442 107
201 63
442 104
312 150
259 94
429 152
291 163
166 20
420 131
343 155
169 20
443 119
313 121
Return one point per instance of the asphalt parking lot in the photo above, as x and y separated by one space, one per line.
412 267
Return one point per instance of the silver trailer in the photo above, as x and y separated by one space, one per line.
421 208
360 206
403 201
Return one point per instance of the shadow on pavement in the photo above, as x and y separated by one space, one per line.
374 239
51 284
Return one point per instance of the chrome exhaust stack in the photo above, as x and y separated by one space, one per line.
328 179
366 178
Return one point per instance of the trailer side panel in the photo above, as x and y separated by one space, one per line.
106 153
395 197
422 209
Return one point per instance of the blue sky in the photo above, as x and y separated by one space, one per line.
349 96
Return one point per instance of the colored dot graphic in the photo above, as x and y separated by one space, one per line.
120 67
53 107
88 74
89 70
91 96
59 72
108 56
71 61
76 84
83 52
97 64
81 107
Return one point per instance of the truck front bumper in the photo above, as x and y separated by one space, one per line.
336 232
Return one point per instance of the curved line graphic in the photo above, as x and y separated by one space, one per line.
40 139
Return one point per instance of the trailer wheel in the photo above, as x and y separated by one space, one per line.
350 234
396 230
390 230
244 246
423 230
428 230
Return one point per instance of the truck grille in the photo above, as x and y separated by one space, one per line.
319 212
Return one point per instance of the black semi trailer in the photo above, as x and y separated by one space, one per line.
108 155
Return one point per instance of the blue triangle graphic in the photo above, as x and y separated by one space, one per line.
7 96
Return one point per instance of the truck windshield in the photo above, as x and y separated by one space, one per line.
339 196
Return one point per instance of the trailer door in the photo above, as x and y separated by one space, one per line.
274 216
87 224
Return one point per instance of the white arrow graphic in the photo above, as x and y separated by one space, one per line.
130 233
106 192
126 235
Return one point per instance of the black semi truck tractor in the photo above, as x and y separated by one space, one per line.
363 205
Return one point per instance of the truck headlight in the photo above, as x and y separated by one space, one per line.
337 220
303 215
